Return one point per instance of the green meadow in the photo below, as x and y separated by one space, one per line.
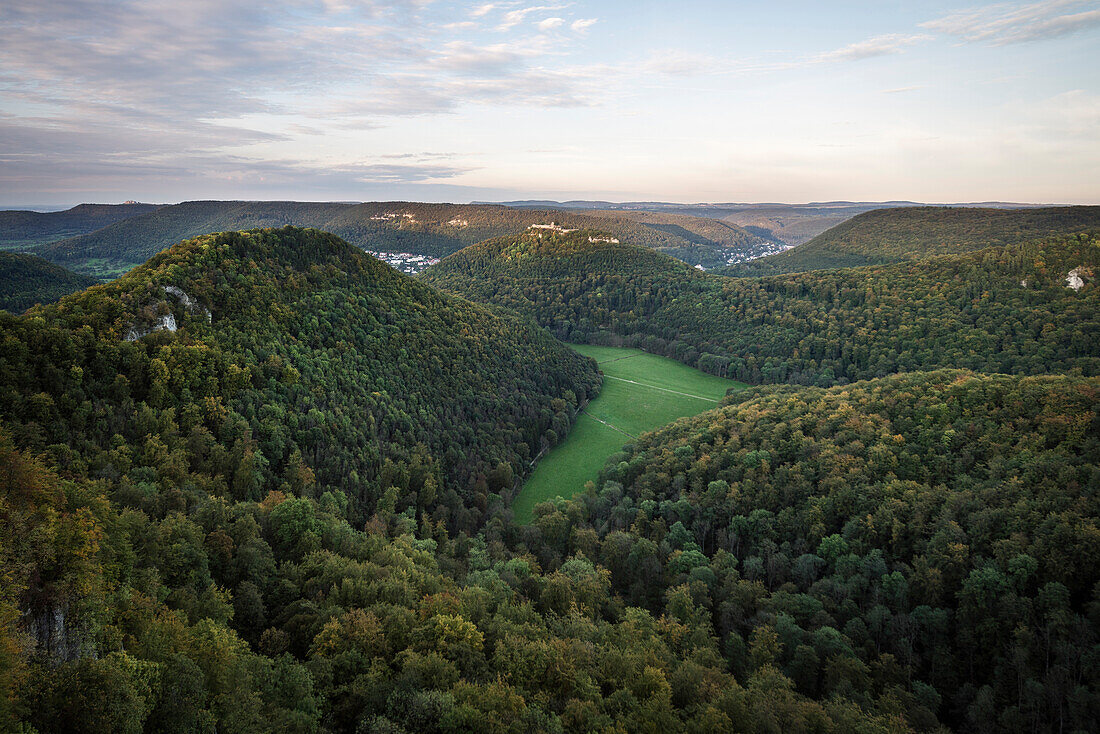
641 392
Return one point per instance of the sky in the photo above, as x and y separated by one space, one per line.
689 101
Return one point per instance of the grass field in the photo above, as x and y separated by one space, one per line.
640 392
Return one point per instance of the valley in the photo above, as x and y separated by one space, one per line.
582 367
266 481
640 392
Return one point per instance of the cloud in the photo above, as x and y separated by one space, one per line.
885 45
44 157
513 18
1007 23
902 90
134 89
382 172
156 59
676 62
582 25
464 57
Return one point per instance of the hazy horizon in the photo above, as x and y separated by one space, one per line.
701 101
62 207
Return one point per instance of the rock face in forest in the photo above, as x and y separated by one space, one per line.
167 321
1075 278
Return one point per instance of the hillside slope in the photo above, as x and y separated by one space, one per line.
26 280
795 225
300 346
790 224
913 233
1004 309
263 516
934 535
27 228
428 229
714 242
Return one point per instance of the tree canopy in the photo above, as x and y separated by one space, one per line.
1002 309
26 280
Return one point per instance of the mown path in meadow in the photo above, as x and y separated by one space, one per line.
641 392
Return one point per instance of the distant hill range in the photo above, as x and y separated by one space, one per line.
436 230
20 228
105 240
913 233
26 280
790 224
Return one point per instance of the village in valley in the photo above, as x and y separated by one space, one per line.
406 262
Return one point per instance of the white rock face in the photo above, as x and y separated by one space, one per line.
168 321
188 302
1075 280
1024 282
165 322
179 293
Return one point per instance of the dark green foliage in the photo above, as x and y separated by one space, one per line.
429 229
296 350
292 515
969 310
402 630
913 233
27 228
26 280
931 536
182 519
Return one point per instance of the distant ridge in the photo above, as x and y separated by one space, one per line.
24 228
791 224
434 230
912 233
599 204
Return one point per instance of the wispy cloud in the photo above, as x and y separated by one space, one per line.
43 158
1007 23
513 18
678 62
158 88
884 45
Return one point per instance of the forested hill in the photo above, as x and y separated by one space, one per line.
263 521
26 228
292 348
929 539
1003 309
429 229
912 233
26 280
